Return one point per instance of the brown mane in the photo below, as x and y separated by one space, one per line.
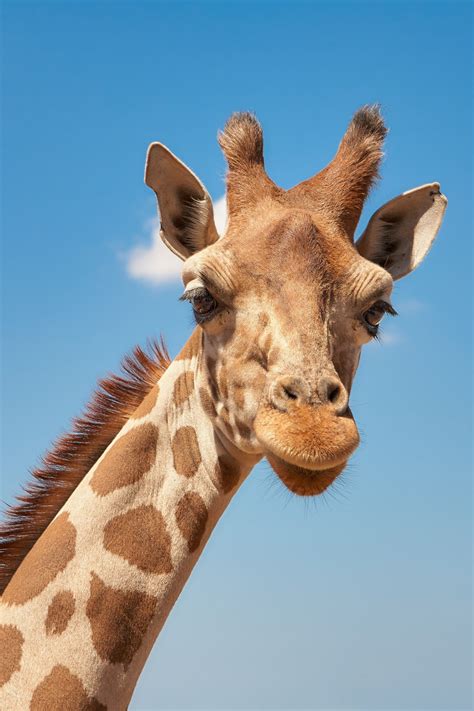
63 468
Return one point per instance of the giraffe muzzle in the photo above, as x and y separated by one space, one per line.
311 437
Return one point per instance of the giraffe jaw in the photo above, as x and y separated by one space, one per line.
302 481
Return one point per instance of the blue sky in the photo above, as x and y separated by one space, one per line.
358 601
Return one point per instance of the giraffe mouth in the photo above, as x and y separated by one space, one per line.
307 447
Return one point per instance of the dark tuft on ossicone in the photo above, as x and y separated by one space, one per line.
368 121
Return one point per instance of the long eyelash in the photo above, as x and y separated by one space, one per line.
374 331
389 308
188 295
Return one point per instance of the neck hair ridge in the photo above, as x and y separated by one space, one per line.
74 453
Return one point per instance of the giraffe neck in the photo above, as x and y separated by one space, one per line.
84 608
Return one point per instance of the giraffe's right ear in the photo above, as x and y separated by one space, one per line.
187 217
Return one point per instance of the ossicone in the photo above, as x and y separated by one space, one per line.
338 192
242 144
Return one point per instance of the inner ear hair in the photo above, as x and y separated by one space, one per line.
400 233
192 218
185 207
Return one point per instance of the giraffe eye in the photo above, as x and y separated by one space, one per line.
203 303
373 316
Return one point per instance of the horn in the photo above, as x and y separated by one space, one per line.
242 144
339 190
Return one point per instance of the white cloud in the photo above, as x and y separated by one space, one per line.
220 214
154 263
410 306
389 336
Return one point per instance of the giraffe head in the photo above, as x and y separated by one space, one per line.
285 298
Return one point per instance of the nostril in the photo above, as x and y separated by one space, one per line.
290 394
334 393
287 391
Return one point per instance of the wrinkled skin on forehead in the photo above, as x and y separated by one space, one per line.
285 299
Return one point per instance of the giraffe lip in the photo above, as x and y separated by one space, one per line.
311 465
302 481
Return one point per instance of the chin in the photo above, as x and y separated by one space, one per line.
307 447
302 481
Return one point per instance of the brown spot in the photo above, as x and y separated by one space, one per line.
224 419
227 473
127 461
244 431
140 536
186 454
192 346
214 391
267 343
223 383
273 356
263 320
61 690
207 404
259 356
239 397
118 620
60 612
183 387
11 643
191 517
211 364
148 403
48 557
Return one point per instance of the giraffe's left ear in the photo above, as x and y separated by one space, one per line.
401 232
187 217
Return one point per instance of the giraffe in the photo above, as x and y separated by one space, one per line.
106 535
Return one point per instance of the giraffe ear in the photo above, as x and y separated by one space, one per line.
400 234
185 207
